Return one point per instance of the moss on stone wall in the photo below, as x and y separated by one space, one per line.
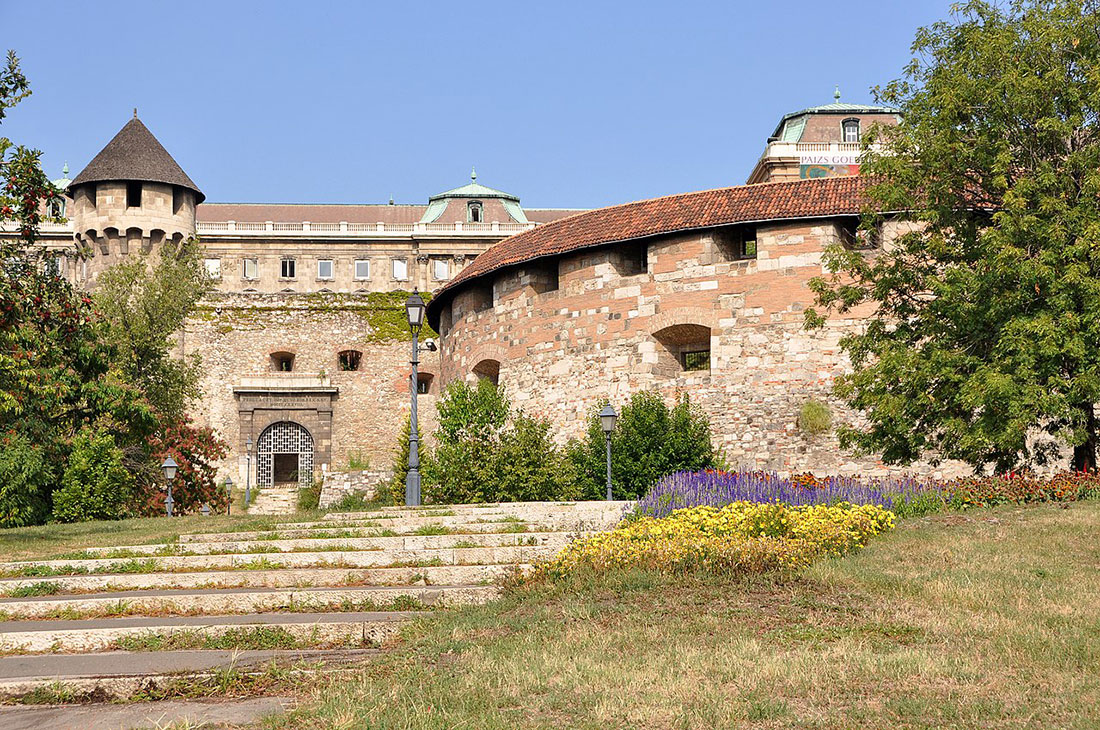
382 312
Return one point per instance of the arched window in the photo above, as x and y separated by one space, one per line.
424 383
850 129
488 370
282 362
349 359
473 212
687 344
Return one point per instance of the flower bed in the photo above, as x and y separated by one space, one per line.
903 496
739 538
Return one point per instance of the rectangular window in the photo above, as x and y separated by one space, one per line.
440 269
287 269
362 269
133 195
400 269
177 200
748 244
695 360
213 268
251 268
324 269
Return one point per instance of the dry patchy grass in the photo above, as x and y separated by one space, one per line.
990 619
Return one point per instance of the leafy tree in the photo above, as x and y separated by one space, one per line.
146 301
26 478
195 451
985 318
486 453
649 441
96 485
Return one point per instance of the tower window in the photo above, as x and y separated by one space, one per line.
850 128
288 269
133 195
177 200
349 359
473 212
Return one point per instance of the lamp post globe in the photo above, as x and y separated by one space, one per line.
169 467
608 416
414 312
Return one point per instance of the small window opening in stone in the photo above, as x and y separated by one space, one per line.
855 237
473 212
851 130
632 259
695 359
288 268
349 359
282 362
747 248
424 383
177 200
133 195
251 269
90 195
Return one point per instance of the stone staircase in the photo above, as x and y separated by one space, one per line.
110 620
280 500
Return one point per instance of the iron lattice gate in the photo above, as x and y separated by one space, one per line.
284 437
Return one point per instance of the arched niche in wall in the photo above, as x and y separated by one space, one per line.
683 348
487 370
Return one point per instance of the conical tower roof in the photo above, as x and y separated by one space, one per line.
135 154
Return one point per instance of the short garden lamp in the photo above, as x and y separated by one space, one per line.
228 494
608 417
414 310
169 466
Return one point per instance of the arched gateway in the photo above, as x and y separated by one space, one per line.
284 455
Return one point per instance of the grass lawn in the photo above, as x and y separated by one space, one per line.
983 619
51 541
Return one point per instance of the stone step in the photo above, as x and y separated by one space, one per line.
326 530
268 561
366 629
274 501
247 600
501 521
517 509
291 577
122 673
410 542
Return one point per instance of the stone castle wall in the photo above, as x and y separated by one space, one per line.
569 334
235 336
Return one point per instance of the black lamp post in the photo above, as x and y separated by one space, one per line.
248 472
607 423
228 495
169 466
414 309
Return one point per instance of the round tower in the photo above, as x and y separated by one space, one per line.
131 198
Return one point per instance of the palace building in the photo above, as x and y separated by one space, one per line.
305 355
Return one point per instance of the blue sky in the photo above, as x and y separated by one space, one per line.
566 104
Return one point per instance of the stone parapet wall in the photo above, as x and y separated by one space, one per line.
340 484
607 322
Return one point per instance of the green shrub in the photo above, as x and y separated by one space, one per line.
485 453
354 502
25 481
393 491
309 497
96 485
650 440
815 418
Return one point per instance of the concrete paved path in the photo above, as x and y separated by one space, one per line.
272 619
151 715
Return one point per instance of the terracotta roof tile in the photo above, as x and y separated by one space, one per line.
688 211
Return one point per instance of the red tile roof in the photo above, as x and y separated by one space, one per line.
820 198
